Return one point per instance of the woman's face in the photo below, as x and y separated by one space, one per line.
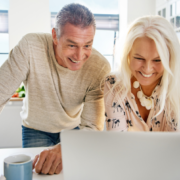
145 63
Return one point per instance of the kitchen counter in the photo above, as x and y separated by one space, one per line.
16 99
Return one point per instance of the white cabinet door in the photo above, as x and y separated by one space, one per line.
10 125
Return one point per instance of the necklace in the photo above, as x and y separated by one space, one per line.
146 101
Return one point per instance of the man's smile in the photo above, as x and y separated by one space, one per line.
74 61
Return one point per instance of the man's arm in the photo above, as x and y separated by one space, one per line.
14 70
49 161
92 117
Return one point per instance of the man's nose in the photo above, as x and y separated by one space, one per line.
79 55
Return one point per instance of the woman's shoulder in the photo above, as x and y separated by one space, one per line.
113 82
110 80
113 87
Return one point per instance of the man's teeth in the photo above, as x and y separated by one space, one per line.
146 75
74 61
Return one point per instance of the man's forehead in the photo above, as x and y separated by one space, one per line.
74 34
72 30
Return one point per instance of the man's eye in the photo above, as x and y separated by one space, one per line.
87 46
71 45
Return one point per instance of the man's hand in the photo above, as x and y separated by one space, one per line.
49 161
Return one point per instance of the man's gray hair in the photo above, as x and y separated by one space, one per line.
75 14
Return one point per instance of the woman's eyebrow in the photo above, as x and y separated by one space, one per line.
143 57
138 55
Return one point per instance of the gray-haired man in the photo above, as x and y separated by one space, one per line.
62 76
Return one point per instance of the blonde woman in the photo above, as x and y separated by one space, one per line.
144 95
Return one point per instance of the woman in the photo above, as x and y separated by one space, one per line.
145 94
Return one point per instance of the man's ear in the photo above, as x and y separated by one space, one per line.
54 36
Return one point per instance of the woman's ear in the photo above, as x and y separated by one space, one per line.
54 36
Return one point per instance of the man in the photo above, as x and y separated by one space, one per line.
62 76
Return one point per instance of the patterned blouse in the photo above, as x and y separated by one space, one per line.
122 112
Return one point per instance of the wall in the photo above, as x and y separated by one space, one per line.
132 9
27 16
10 125
138 8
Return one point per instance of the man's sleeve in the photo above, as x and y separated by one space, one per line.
13 71
93 114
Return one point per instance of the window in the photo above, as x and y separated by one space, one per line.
4 47
104 42
177 21
172 21
103 21
178 34
164 12
4 36
175 16
107 22
178 7
3 21
172 9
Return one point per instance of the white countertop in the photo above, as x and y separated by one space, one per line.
31 152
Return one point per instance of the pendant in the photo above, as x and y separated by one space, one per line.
145 101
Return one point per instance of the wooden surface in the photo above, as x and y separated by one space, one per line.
16 99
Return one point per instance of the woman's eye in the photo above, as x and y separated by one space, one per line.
157 60
138 58
71 45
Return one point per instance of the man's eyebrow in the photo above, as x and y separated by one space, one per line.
89 41
71 41
68 40
143 57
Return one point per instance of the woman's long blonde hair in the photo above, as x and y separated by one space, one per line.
160 30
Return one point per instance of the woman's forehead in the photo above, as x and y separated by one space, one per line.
144 46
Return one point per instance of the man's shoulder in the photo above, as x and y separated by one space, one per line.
37 37
98 61
96 55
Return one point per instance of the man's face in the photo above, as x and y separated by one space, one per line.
74 46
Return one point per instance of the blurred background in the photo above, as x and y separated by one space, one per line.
19 17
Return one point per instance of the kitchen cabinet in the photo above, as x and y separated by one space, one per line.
10 125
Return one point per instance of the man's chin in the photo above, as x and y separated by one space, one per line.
74 68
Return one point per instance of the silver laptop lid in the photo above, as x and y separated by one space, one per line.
91 155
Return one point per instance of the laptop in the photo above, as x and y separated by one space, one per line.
89 155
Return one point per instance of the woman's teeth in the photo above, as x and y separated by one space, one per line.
146 75
74 61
